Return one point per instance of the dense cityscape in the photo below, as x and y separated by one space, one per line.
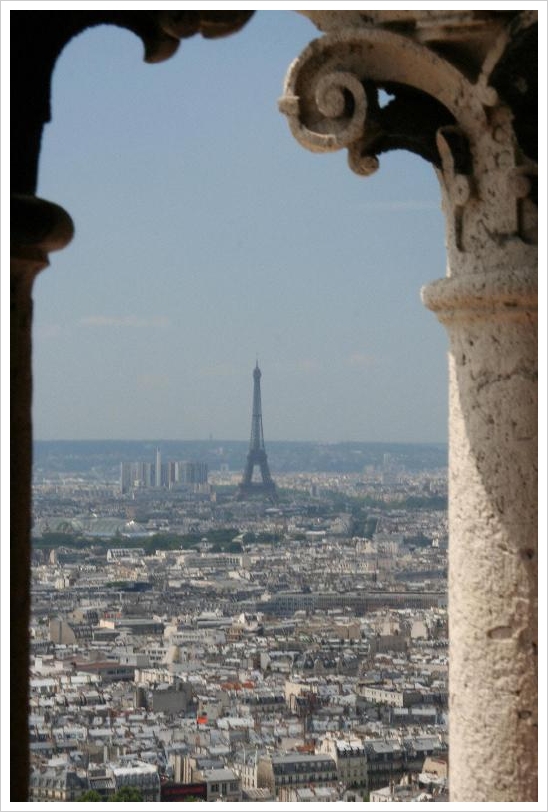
188 642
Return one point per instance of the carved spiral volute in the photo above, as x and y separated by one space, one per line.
328 112
333 100
340 98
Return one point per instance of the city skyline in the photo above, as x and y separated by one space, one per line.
206 236
226 616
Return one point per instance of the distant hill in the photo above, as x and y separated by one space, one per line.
103 457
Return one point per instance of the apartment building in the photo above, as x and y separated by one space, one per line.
350 758
296 770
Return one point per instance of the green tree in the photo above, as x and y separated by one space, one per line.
127 794
90 795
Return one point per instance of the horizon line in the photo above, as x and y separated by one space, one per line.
229 440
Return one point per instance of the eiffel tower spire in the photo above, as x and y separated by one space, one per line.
257 455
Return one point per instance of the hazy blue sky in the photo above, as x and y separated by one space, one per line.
207 237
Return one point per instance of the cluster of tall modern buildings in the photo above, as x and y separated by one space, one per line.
158 474
137 475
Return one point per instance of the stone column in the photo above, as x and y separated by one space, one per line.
464 99
37 227
489 306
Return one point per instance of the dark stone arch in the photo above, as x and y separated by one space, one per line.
37 39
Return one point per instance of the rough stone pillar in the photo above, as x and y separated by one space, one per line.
490 319
464 98
488 304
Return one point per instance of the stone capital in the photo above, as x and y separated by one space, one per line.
37 228
456 88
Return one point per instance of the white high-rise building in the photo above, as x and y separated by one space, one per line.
158 470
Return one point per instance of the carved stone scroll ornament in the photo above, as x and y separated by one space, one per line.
332 100
348 69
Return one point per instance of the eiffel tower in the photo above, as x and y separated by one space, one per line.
257 454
